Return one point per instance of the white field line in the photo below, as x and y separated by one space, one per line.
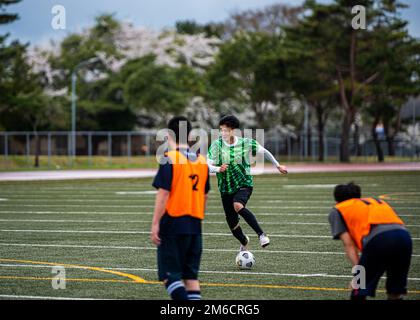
148 232
320 186
151 213
309 186
146 192
151 193
153 248
258 193
77 246
133 200
298 275
9 296
94 197
148 221
106 198
78 212
152 206
145 221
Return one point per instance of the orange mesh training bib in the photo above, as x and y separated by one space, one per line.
187 194
360 214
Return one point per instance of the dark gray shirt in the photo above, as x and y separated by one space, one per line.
338 226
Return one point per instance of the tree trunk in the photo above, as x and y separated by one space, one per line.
37 150
259 116
391 131
356 140
345 138
349 112
377 143
389 139
391 145
347 100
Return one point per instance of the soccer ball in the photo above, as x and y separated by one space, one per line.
245 260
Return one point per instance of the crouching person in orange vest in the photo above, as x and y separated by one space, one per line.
371 226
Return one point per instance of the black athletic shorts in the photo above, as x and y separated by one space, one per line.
388 252
178 256
241 196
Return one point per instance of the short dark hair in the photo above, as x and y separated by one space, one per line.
175 124
229 121
343 192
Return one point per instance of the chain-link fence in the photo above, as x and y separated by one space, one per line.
89 145
111 146
308 148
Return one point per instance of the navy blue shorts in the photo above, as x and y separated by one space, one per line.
178 256
388 252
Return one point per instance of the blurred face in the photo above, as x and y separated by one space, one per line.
171 141
226 132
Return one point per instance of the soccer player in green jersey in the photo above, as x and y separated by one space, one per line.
229 158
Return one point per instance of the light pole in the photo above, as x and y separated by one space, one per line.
73 101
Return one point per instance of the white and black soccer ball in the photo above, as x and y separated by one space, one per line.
245 260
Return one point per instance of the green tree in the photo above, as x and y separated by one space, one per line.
159 89
99 89
329 26
6 53
7 17
23 102
394 53
249 71
310 75
192 27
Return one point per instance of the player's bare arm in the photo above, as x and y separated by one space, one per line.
160 205
206 199
282 169
350 248
224 167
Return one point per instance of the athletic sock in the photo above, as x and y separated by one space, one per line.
251 220
176 290
194 295
239 234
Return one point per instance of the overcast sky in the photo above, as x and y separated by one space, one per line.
35 15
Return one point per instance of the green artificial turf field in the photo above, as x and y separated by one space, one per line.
99 231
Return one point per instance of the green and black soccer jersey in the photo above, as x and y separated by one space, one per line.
237 156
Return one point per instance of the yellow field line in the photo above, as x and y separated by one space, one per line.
271 286
399 196
136 279
236 285
67 279
117 273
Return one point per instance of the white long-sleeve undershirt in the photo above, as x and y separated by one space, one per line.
267 155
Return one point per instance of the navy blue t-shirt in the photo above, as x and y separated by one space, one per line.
163 180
